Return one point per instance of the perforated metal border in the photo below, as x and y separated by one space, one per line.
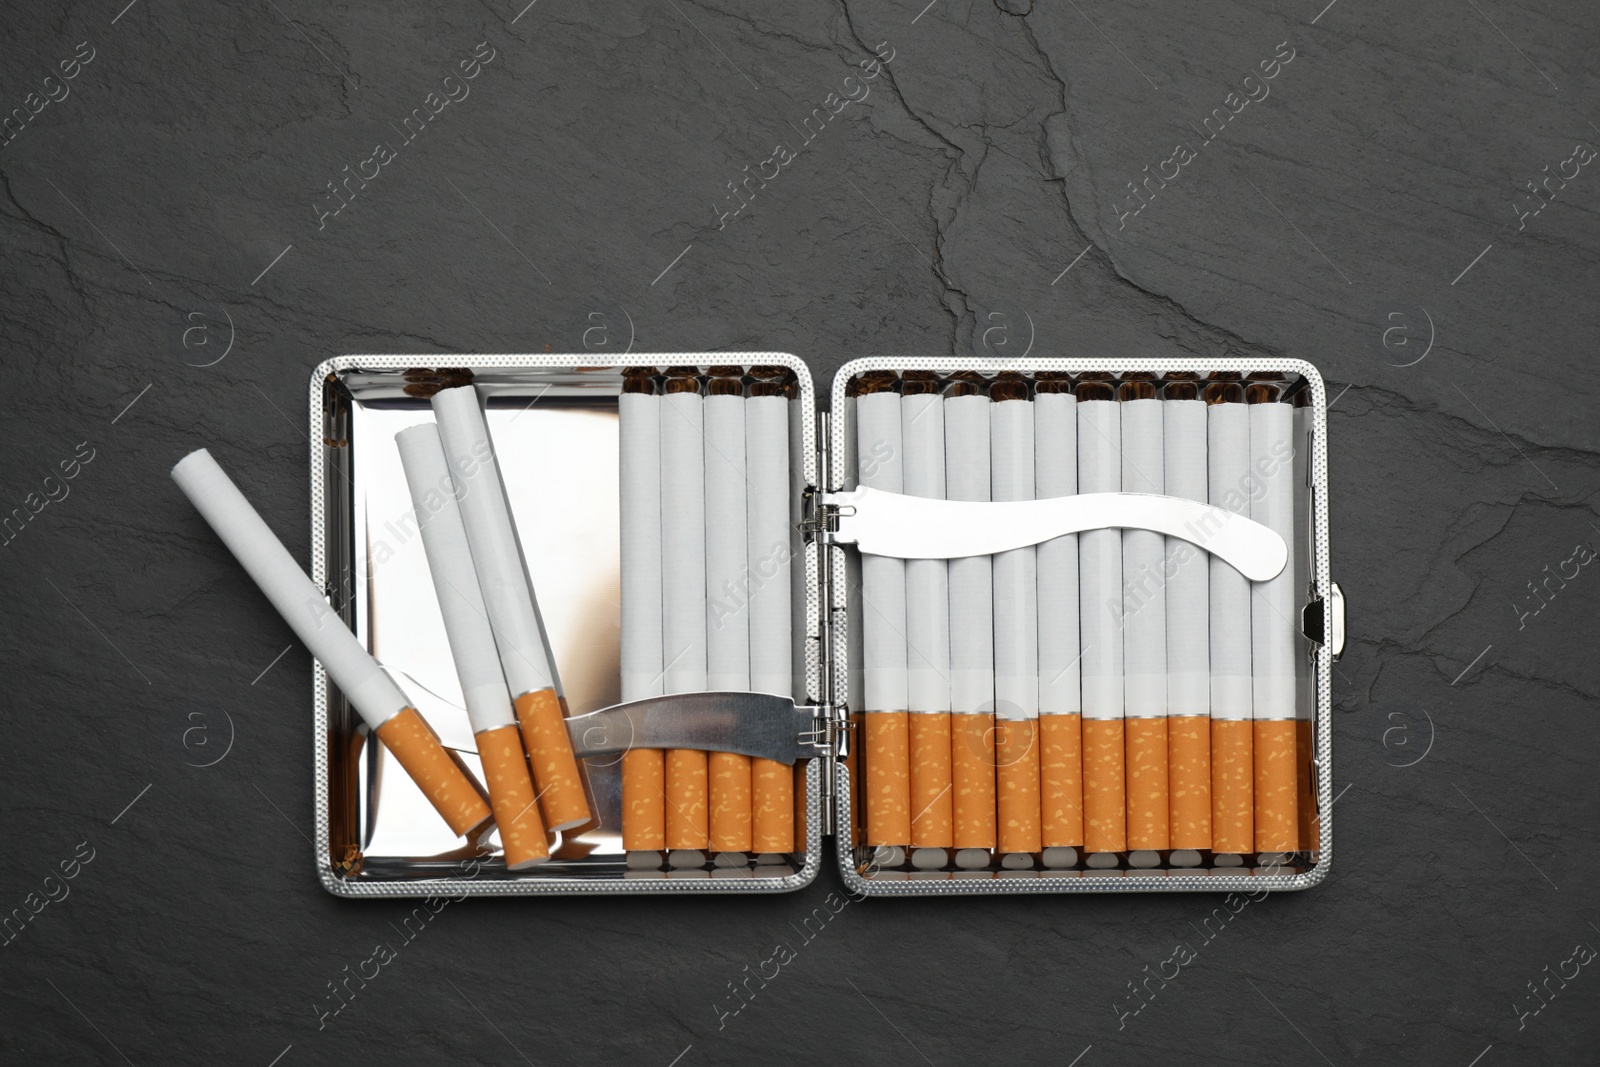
1323 741
320 686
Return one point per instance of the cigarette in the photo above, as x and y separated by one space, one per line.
472 646
1144 622
886 782
513 611
766 430
1300 559
1100 592
644 820
927 634
974 754
1188 625
683 584
1055 424
1232 700
380 703
1272 609
727 582
1016 646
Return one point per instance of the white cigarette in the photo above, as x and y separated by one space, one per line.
883 578
365 684
1055 427
1016 647
496 555
1188 618
455 583
1273 601
639 427
1144 621
927 619
971 578
726 551
1228 463
1100 562
767 457
683 541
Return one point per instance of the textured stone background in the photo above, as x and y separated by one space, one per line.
168 205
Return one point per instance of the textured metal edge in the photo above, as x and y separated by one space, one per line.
1320 568
458 887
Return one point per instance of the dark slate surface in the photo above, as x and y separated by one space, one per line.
1366 204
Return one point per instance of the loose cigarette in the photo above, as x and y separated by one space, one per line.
728 577
683 598
1055 423
502 575
1100 594
1016 616
973 753
766 431
927 632
1188 625
1232 700
380 703
1144 623
644 820
1272 609
886 783
471 640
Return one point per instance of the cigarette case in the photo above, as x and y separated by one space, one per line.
555 423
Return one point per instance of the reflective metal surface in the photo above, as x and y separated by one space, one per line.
750 724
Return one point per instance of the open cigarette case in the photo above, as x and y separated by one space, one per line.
556 430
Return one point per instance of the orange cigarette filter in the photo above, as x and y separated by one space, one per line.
971 778
772 806
1310 818
931 804
417 747
1277 810
644 784
1061 780
516 809
686 799
887 785
1232 785
1104 800
729 829
1017 754
1146 740
555 769
1189 769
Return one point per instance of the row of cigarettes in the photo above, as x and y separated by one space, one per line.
534 785
1114 698
707 604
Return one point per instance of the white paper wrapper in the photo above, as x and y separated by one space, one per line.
495 553
455 582
1055 473
1144 601
683 542
1187 567
883 579
727 559
370 691
766 435
639 418
1016 615
966 436
927 626
1228 460
1100 563
1273 603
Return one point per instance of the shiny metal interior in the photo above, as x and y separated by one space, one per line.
555 432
